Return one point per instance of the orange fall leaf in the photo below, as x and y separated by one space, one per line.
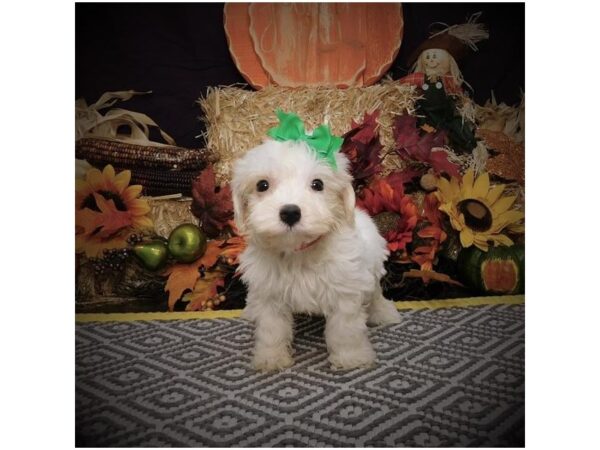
183 277
427 275
205 289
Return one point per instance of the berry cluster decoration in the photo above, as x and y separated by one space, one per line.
112 260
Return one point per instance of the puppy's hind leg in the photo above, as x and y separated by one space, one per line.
382 311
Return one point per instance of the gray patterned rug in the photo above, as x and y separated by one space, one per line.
445 377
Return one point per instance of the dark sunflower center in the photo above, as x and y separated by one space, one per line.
478 217
90 201
386 221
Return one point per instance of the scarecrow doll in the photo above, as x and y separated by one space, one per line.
436 74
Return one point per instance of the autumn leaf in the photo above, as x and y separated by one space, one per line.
183 277
431 233
362 147
204 290
232 248
431 209
427 275
212 204
105 222
438 158
427 148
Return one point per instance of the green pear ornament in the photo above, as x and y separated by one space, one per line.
153 255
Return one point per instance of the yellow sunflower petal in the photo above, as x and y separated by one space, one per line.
122 180
138 207
467 184
456 223
494 194
444 189
516 227
108 174
94 179
454 187
481 244
455 218
141 223
509 217
481 186
132 192
466 237
502 239
446 207
94 246
502 205
81 185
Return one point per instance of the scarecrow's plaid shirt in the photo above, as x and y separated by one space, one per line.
418 79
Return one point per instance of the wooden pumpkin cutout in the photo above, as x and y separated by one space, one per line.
241 47
385 29
334 44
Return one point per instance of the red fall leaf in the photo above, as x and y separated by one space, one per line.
414 146
212 204
387 195
362 147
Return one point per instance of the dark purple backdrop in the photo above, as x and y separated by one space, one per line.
177 50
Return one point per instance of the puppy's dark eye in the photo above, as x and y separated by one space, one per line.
316 185
262 185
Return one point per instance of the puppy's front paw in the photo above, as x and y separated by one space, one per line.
352 358
272 360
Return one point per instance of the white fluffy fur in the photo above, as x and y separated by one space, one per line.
337 277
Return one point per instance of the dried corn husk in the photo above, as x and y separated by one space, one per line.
160 168
100 152
89 122
509 120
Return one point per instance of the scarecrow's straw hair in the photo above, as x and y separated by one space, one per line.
470 33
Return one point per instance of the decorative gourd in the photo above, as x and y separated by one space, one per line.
313 44
500 270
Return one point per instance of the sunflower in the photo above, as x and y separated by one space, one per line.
479 212
107 209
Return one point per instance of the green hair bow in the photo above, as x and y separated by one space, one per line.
321 140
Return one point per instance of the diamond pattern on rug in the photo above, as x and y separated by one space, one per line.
444 377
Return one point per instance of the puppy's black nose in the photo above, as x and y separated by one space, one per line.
290 214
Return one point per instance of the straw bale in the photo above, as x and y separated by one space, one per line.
167 213
238 119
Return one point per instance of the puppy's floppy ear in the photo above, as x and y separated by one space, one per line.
239 206
349 200
348 197
239 211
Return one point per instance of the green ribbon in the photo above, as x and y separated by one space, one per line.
321 140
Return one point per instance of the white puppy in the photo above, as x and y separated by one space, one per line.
309 251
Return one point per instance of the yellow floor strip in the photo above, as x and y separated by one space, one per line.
228 314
